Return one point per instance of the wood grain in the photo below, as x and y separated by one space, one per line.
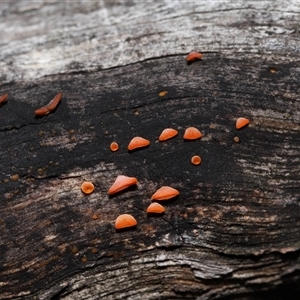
233 230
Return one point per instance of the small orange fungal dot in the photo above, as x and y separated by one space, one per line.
155 208
125 221
241 122
196 160
74 250
192 133
167 134
193 56
114 146
87 187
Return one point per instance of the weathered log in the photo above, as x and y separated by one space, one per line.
233 232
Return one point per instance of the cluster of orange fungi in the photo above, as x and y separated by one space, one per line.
165 192
127 220
123 182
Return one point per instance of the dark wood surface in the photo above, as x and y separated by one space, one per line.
233 232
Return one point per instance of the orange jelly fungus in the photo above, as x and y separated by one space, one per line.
122 182
125 221
193 56
196 160
138 142
3 98
87 187
155 208
241 122
45 110
192 133
165 193
114 146
167 133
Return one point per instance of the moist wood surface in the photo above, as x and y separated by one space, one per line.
234 229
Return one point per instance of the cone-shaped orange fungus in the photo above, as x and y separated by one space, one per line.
3 98
155 208
138 142
167 133
241 122
87 187
124 221
122 182
165 193
193 56
114 146
192 133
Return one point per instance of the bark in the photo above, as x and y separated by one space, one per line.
233 232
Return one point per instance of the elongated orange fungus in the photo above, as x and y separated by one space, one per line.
54 102
138 142
122 182
241 122
193 56
155 208
196 160
3 98
167 133
124 221
45 110
192 133
165 193
87 187
114 146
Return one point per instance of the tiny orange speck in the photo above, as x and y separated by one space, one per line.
162 93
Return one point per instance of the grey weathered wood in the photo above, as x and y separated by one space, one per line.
234 229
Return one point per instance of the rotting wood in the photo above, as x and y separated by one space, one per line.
233 231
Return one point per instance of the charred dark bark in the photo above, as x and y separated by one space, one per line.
233 232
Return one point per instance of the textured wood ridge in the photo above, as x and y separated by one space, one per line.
233 232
